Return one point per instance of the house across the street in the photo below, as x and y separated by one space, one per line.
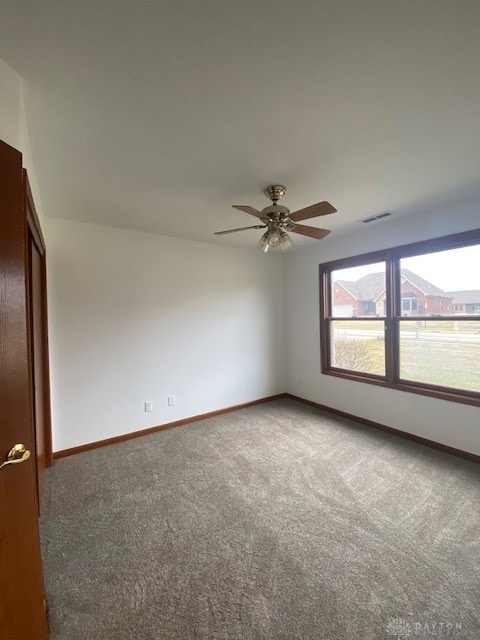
465 302
366 296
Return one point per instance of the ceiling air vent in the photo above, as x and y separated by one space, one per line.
380 216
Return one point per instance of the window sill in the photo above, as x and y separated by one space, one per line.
441 393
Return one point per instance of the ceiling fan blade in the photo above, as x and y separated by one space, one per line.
250 210
255 226
314 210
312 232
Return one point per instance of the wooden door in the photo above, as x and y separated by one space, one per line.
22 602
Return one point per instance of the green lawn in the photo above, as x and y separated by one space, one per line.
443 363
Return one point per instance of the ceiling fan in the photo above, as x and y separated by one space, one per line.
278 220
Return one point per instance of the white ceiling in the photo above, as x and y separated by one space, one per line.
158 115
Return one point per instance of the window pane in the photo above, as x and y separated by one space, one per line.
358 346
445 353
358 291
442 283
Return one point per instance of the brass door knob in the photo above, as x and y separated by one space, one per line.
17 454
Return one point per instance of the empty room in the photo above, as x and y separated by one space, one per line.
240 320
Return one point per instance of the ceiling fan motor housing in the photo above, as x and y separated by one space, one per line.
275 212
276 216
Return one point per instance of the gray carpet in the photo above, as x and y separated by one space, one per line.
274 522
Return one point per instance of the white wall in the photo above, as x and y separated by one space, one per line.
14 127
450 423
10 97
25 147
136 316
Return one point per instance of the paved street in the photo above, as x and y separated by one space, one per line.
430 336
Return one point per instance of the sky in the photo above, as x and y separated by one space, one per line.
452 270
449 270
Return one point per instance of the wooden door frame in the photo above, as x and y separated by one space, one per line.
33 226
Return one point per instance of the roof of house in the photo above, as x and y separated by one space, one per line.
366 288
425 287
369 287
471 296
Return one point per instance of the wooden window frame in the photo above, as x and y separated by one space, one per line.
391 257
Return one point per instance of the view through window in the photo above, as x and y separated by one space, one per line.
407 317
443 351
358 292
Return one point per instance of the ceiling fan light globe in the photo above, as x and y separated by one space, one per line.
274 237
286 241
263 243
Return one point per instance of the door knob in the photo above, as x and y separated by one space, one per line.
17 454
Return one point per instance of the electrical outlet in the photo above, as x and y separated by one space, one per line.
171 401
148 406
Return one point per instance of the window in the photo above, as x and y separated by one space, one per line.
406 318
409 302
